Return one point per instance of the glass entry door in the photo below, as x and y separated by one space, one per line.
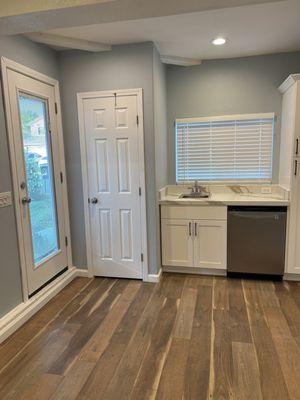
38 165
39 177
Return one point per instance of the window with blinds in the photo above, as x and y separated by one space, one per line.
229 148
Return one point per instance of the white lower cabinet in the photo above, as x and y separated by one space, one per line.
177 243
210 244
200 243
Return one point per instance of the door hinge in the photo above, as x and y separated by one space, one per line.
61 177
142 257
140 191
55 107
66 240
137 119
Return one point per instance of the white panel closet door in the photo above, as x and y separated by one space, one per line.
113 179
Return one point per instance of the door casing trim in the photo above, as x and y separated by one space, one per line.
108 93
7 64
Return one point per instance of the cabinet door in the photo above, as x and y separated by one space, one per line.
210 243
177 243
297 123
293 234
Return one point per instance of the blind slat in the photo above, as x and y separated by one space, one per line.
236 149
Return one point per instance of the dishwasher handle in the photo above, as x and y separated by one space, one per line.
257 214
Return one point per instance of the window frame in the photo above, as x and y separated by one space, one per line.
270 115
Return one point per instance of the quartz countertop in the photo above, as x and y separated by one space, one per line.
225 196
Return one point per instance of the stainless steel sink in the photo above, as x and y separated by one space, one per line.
194 196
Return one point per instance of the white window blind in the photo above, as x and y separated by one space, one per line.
228 148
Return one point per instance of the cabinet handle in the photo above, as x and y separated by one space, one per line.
297 146
195 228
296 168
190 229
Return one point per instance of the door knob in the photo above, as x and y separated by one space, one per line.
26 200
94 200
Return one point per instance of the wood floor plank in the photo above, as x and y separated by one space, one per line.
43 389
105 368
188 337
28 367
239 323
221 367
185 315
124 378
95 347
246 382
76 376
154 359
222 363
19 340
72 383
289 308
286 346
271 377
107 294
198 365
74 307
289 358
172 285
220 293
171 383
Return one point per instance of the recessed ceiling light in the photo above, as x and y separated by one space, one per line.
219 41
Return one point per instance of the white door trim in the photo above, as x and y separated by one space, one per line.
6 65
80 99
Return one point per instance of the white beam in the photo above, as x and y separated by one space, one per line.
19 7
63 42
182 61
97 12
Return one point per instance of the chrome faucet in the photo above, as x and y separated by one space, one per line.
197 188
197 191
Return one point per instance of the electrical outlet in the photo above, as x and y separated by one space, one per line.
266 190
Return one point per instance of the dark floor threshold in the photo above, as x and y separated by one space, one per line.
47 283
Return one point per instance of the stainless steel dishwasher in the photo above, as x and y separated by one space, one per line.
256 240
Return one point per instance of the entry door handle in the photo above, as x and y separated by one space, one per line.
94 200
26 200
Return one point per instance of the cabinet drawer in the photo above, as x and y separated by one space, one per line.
194 212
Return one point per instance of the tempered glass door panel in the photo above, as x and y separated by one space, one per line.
38 165
37 153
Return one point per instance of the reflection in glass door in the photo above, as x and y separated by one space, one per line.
39 177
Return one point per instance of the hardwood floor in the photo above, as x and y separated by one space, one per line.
188 337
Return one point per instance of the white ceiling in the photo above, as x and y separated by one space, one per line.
250 30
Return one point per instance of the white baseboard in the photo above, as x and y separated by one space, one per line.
196 271
10 322
291 277
84 273
153 277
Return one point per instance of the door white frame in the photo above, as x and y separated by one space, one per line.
107 93
6 65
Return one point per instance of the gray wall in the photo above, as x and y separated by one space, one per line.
129 66
232 86
44 60
161 138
